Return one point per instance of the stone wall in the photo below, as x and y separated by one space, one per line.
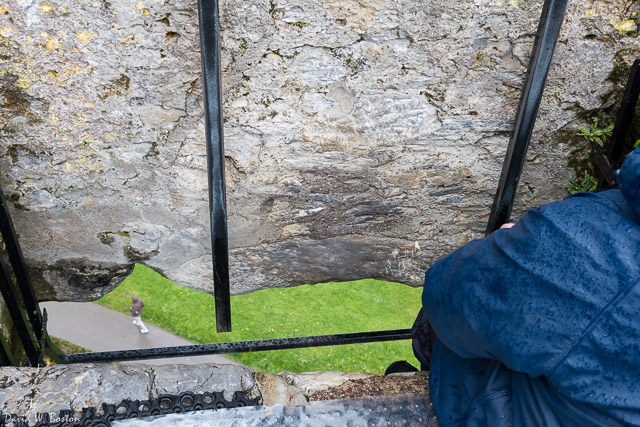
363 138
28 392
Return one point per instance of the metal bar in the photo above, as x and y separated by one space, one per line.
19 268
6 358
210 50
240 346
615 145
18 315
541 55
47 346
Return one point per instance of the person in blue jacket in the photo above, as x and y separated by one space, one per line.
539 324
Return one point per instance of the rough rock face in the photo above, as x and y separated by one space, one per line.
26 392
363 139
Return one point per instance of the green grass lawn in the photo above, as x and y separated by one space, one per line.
329 308
68 348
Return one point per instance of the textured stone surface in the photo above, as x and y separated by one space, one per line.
275 390
400 383
29 391
311 383
25 392
363 139
410 410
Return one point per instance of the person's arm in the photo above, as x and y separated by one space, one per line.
511 296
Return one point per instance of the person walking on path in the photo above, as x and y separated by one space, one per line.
136 312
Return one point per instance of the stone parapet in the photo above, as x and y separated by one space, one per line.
27 392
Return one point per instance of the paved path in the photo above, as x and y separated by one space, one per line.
98 328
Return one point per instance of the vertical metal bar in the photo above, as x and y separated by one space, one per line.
210 50
47 346
615 146
6 358
16 259
16 311
542 52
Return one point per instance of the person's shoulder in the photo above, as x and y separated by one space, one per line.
602 203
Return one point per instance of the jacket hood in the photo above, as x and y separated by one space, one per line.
629 180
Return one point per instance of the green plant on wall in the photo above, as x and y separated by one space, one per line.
588 183
243 46
593 133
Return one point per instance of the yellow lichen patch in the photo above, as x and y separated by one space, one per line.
61 9
145 11
53 118
593 13
84 37
130 38
7 32
138 6
53 43
88 105
68 71
624 26
3 10
45 8
78 119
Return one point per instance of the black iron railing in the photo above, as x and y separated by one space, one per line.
30 323
210 49
539 63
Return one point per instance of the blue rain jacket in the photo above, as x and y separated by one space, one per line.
539 325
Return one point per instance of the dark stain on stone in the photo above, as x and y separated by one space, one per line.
15 151
117 86
14 97
267 205
76 279
171 35
134 254
14 198
15 102
165 20
106 237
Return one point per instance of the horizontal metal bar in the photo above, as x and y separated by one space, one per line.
240 346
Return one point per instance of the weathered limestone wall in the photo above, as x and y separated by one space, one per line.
363 138
27 392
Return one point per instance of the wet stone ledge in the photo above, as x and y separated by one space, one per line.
28 392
